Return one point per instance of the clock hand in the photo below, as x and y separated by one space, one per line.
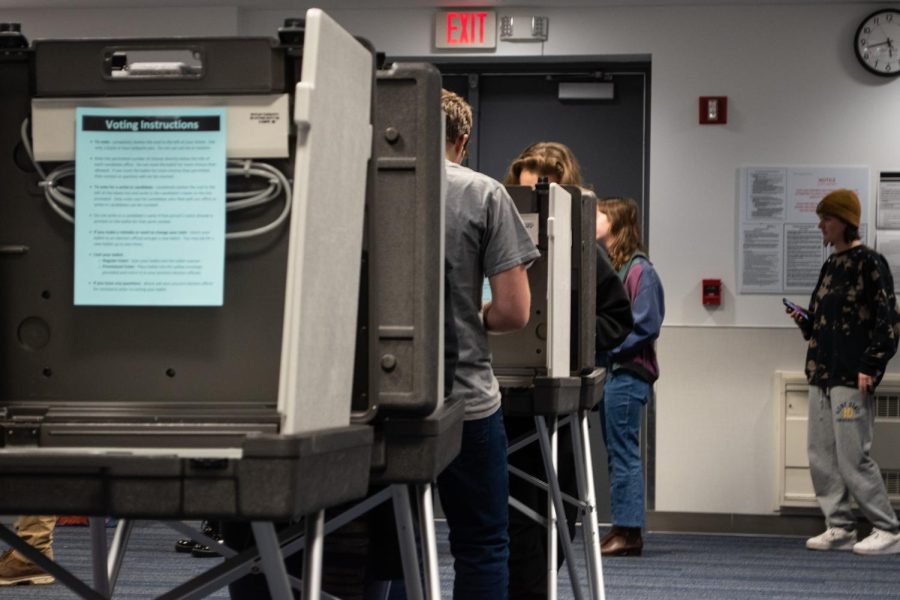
885 43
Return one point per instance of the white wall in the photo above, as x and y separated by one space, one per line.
796 96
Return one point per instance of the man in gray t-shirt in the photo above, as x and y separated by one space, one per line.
485 237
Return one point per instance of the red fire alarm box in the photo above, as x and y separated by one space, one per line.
713 110
712 292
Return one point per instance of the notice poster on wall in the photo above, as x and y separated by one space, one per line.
150 206
887 219
779 244
888 244
887 207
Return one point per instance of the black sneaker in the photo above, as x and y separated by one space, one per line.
201 551
184 545
210 529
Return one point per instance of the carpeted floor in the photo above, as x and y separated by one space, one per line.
674 567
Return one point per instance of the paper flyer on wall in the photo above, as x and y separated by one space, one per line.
779 245
887 208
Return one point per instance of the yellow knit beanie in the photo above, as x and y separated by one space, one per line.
843 204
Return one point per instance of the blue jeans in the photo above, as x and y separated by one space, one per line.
474 491
624 395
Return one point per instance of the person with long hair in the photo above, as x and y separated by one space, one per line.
632 370
552 160
528 540
852 328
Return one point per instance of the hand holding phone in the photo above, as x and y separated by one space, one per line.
796 308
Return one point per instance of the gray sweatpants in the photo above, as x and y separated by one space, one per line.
841 421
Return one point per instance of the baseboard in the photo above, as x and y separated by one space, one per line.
799 522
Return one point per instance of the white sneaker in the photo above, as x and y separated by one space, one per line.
879 542
834 538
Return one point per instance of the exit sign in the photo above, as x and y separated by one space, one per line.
465 29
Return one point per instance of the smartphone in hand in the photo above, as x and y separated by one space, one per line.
796 308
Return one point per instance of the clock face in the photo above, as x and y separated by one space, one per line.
878 43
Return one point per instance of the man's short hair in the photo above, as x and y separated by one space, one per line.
459 115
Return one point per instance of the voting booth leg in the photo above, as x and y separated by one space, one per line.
117 551
76 585
99 555
273 561
406 537
584 474
547 436
237 565
81 589
429 542
312 556
550 452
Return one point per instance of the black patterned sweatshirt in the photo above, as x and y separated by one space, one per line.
854 323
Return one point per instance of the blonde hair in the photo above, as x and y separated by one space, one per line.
547 159
459 116
624 229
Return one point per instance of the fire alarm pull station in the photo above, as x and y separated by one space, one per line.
712 292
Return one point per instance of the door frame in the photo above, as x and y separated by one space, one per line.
581 68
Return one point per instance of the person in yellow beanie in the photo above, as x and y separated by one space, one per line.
844 205
852 326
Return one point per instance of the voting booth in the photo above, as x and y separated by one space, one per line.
401 382
189 230
402 391
546 370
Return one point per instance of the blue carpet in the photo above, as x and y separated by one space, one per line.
699 567
674 567
151 566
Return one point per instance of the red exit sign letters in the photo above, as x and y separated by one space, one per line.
465 29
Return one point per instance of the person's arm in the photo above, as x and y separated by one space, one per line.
806 325
803 319
614 319
510 304
648 309
883 339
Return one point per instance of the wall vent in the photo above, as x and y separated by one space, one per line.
887 405
791 405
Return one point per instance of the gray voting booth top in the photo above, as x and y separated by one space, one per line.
485 236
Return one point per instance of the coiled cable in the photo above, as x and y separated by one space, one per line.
62 198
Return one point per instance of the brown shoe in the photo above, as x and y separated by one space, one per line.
622 541
613 531
16 571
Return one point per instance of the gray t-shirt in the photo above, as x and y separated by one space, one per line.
485 236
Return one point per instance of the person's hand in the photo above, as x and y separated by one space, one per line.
866 383
796 315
